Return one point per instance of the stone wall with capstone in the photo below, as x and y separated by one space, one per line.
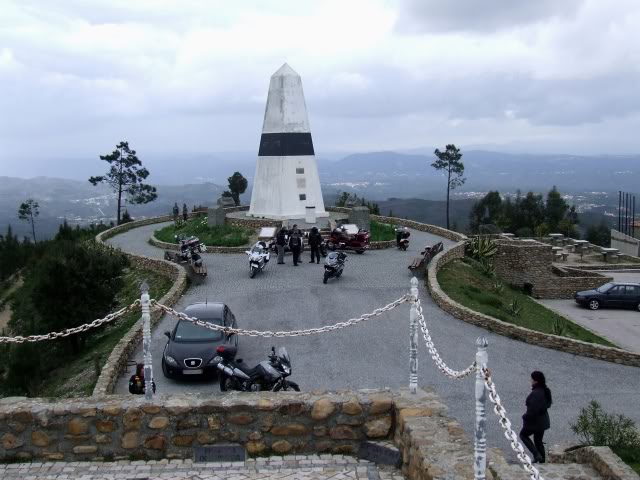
430 442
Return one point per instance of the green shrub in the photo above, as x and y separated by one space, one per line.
596 427
498 286
381 232
487 267
482 247
515 308
218 236
559 327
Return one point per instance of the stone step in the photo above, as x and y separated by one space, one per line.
298 467
550 471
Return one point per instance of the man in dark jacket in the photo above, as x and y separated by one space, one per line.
281 241
295 244
185 212
315 239
536 421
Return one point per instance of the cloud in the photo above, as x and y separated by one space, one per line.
421 16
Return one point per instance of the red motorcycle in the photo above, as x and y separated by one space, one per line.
341 239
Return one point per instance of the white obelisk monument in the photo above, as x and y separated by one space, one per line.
286 184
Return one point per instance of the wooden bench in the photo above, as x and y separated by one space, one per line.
425 256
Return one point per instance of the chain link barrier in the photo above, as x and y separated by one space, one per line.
434 353
71 331
505 423
292 333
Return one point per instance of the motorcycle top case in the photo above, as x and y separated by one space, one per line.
227 352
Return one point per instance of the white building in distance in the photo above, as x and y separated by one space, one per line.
286 182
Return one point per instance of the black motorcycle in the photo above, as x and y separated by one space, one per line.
334 265
267 375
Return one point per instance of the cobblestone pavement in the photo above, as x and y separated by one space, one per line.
375 354
298 467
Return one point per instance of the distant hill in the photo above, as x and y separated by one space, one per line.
82 203
429 211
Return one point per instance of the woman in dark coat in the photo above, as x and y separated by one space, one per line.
536 419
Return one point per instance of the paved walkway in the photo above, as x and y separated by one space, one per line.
299 467
375 354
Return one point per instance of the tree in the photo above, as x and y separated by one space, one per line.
125 177
450 161
237 185
599 234
73 284
555 209
28 211
485 211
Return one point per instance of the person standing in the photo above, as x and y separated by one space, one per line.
176 213
295 244
315 239
536 421
185 212
281 241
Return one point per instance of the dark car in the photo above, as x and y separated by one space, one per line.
620 295
191 348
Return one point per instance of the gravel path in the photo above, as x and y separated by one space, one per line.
375 354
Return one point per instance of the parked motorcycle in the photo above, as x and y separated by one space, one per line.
402 238
190 249
334 265
268 375
341 239
258 258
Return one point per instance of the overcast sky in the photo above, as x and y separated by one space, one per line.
191 76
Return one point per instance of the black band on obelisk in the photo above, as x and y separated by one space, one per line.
285 144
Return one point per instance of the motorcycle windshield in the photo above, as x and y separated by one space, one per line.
332 259
284 355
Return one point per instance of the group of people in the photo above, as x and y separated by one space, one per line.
176 212
293 239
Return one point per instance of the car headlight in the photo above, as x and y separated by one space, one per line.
170 360
214 360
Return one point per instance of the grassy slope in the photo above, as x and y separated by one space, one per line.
466 285
221 236
381 232
78 377
630 456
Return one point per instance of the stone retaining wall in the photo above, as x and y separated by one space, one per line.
521 264
609 465
432 444
625 243
522 334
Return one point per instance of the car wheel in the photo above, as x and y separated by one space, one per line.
165 370
594 304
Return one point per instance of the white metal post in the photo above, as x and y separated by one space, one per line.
480 444
146 341
413 338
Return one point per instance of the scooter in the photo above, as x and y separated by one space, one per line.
258 258
402 238
334 265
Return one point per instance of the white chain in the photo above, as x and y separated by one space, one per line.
505 423
434 353
70 331
292 333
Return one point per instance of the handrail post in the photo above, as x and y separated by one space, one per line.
480 442
146 341
413 338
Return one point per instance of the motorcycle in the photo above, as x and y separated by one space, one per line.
258 258
190 249
341 239
402 238
334 265
267 375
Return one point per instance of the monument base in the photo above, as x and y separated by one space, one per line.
292 216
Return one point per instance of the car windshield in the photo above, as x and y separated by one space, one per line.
605 288
190 332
